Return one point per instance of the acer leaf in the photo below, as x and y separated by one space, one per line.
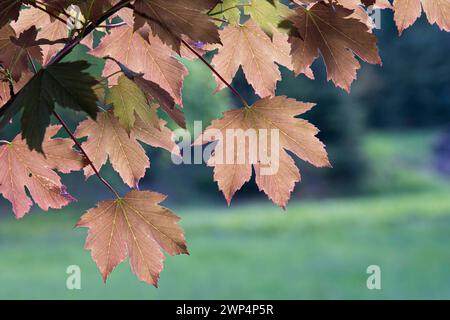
22 168
4 92
63 83
268 14
228 10
408 11
338 38
9 10
49 28
170 20
270 118
248 46
155 93
92 9
137 227
15 54
108 139
128 100
149 56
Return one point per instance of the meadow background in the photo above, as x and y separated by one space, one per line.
385 202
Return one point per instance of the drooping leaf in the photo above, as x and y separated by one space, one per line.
108 139
9 10
170 20
259 137
22 168
228 10
65 84
248 46
15 53
138 227
268 14
49 28
128 101
408 11
154 59
330 31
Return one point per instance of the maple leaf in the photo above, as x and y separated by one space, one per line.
93 9
49 28
408 11
108 139
227 10
22 168
338 38
135 226
62 83
4 92
9 10
129 100
170 20
271 117
148 56
248 46
15 53
268 14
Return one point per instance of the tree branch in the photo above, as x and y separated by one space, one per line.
91 164
74 42
235 92
48 12
74 139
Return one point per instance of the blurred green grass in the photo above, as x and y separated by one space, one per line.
316 249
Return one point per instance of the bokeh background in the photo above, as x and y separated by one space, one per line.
385 202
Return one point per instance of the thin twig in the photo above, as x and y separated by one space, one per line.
91 164
74 139
74 42
48 12
236 93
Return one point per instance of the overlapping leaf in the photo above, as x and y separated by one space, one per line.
248 46
275 129
107 138
329 31
9 10
24 170
170 20
138 227
48 28
149 56
129 101
15 53
408 11
65 84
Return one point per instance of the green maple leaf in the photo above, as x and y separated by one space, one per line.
63 83
128 100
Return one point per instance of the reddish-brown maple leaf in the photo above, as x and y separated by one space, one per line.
330 31
149 56
248 46
135 226
15 53
408 11
49 28
22 168
270 127
170 20
107 138
9 10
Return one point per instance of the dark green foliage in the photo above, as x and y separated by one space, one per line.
63 83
